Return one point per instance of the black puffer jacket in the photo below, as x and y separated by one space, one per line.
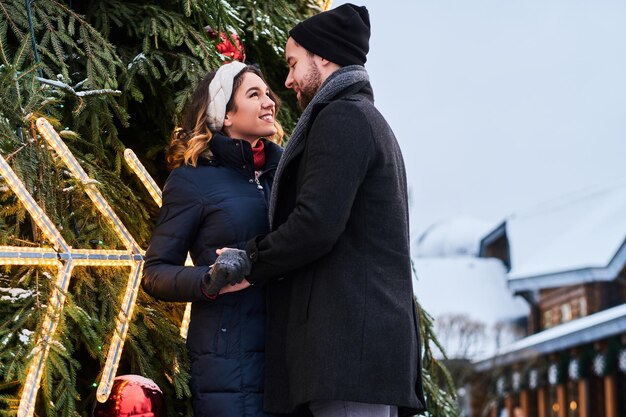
216 204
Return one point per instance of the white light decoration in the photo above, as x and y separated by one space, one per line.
599 364
573 370
500 385
154 190
621 360
516 381
533 379
553 374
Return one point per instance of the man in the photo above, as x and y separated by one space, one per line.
342 335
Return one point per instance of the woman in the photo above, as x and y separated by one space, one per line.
216 196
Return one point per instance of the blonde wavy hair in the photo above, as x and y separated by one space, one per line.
191 141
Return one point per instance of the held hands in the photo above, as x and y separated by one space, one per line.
230 267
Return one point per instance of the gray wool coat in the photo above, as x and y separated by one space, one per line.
341 318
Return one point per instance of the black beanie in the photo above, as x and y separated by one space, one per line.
340 35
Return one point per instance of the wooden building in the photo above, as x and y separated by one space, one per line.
568 261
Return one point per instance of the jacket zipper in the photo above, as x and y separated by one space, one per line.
254 178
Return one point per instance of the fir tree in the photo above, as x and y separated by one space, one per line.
110 75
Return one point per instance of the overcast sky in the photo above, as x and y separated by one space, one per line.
500 105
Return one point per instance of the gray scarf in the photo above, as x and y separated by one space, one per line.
334 84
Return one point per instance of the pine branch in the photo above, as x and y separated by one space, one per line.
440 395
3 42
8 18
71 89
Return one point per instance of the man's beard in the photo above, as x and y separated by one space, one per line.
312 83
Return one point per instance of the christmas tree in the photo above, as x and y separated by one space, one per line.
107 76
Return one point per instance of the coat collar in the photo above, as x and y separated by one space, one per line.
358 91
237 153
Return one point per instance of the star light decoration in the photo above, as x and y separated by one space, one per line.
65 258
325 4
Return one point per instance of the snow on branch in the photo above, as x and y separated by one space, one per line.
72 90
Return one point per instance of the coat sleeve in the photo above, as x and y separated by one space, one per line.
164 275
338 152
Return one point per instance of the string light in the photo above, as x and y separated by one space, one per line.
11 255
15 255
139 170
121 328
137 167
39 216
65 258
132 287
42 347
325 4
61 149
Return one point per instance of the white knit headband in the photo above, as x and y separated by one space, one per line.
220 89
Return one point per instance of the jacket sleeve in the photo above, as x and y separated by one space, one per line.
164 275
338 151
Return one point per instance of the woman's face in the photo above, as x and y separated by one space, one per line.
252 116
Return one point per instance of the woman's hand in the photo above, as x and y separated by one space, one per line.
235 287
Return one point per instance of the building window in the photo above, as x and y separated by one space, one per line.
566 312
547 319
582 305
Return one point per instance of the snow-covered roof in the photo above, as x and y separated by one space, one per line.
473 287
578 332
457 236
580 238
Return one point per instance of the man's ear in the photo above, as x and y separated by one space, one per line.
323 61
327 65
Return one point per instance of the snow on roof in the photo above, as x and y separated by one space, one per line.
473 287
578 233
466 285
458 236
588 329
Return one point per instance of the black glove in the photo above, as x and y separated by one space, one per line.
231 267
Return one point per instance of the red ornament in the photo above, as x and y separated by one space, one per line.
234 52
132 395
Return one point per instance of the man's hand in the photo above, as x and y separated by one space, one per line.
211 285
231 266
227 273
